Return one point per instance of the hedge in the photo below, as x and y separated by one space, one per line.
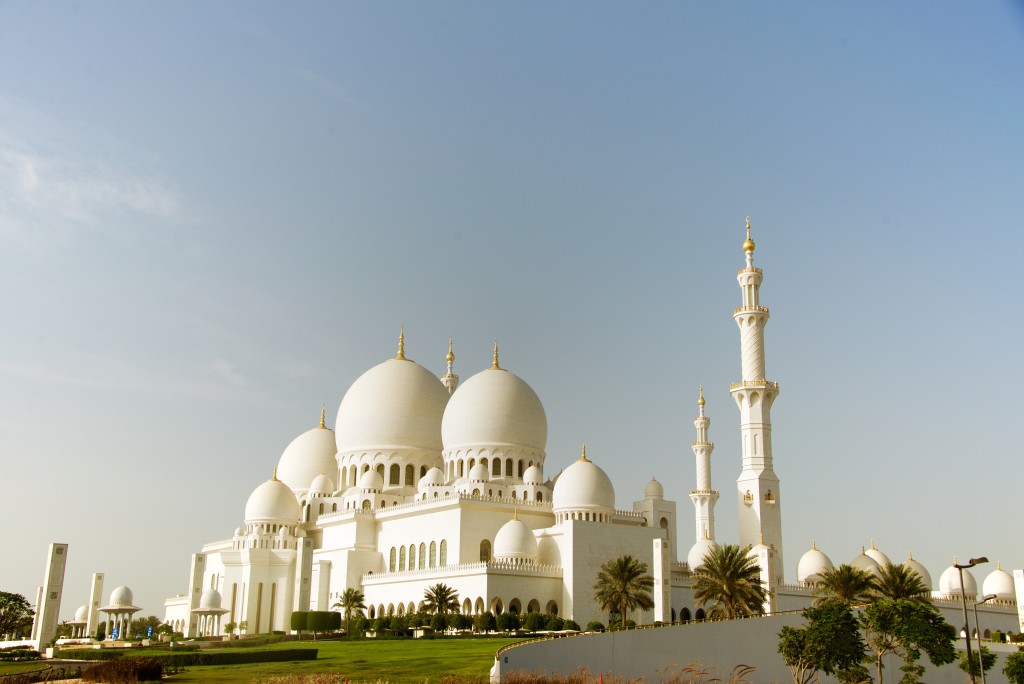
201 658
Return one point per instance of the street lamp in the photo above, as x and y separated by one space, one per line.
977 625
963 597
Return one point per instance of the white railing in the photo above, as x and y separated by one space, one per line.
505 567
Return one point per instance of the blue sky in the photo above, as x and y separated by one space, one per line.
214 217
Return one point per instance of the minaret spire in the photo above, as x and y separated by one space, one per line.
758 485
450 380
323 415
400 356
703 497
495 365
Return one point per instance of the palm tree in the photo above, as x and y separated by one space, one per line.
440 598
900 582
730 579
624 585
847 584
352 601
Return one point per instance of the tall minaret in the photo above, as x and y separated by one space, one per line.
703 497
450 380
759 497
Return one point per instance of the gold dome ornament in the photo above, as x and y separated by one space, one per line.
700 401
450 356
748 245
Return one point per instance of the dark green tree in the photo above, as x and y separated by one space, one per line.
353 602
900 582
845 583
624 585
399 625
909 629
141 626
440 598
829 642
988 661
320 621
439 623
485 622
298 621
730 580
1013 667
15 614
534 622
508 621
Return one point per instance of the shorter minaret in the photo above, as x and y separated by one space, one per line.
450 380
703 497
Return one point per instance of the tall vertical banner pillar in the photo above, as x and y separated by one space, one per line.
53 588
95 596
195 590
662 582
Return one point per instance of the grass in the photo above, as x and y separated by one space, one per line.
28 666
407 661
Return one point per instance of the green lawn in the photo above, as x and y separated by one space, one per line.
409 661
28 666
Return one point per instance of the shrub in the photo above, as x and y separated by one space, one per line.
460 621
534 622
595 626
555 623
125 671
399 625
439 622
485 622
571 624
298 621
508 622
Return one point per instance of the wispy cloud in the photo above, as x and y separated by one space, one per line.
51 186
228 372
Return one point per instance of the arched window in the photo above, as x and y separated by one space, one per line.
485 550
395 475
401 559
380 470
334 508
410 473
321 509
423 470
391 564
462 470
483 462
496 467
412 556
423 556
508 467
663 523
540 496
366 504
521 469
433 554
513 493
684 615
443 561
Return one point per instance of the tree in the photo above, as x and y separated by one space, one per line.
321 621
15 614
731 580
141 626
352 601
440 598
243 625
485 622
988 661
623 584
229 628
439 623
399 625
846 583
907 629
534 622
900 582
298 621
1013 667
508 621
830 642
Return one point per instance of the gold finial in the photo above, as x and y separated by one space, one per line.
450 357
495 361
274 477
748 245
910 555
323 415
400 356
515 514
700 402
814 545
706 532
872 543
762 539
584 456
999 565
862 550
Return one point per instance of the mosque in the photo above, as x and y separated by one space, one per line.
424 480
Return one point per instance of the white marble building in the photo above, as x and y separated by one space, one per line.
424 480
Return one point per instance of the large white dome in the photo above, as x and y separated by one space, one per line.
495 408
583 486
210 600
272 501
878 556
515 542
811 565
921 571
82 614
397 404
866 562
121 597
949 583
310 454
1000 583
695 558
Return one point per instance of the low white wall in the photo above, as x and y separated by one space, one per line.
654 654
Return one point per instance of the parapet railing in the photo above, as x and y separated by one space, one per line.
754 383
491 565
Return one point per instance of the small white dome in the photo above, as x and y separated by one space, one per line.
1000 583
583 486
82 614
495 407
371 480
397 404
122 596
210 600
515 542
878 556
433 478
533 476
239 531
695 558
922 572
321 484
949 583
866 562
811 565
310 454
478 473
654 490
272 501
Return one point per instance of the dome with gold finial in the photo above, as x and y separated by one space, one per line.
748 244
583 491
1000 583
308 455
922 572
515 543
273 501
812 564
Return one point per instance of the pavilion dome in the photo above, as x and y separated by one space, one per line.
583 486
533 476
495 408
654 490
397 404
515 542
866 562
699 551
921 571
371 480
812 564
310 454
210 600
272 501
82 614
949 583
1000 583
121 598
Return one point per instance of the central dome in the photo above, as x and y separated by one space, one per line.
395 404
495 408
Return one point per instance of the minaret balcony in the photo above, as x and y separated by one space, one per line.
750 309
706 492
748 269
766 384
703 444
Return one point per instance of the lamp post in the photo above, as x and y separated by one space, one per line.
963 597
977 625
